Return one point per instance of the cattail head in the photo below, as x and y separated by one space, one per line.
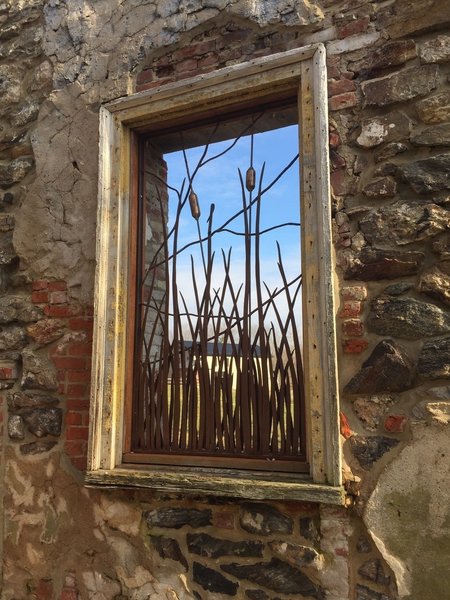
250 179
193 203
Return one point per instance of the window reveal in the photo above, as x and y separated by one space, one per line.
218 360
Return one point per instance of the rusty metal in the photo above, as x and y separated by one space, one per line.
235 389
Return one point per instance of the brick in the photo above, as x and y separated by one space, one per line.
353 328
354 292
68 362
395 423
39 284
77 404
80 349
44 590
345 429
78 376
353 27
74 418
145 76
75 390
190 64
80 463
75 448
334 139
355 346
59 297
224 520
77 433
342 101
62 311
351 308
81 323
57 286
340 86
337 180
40 297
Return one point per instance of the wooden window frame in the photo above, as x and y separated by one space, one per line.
121 123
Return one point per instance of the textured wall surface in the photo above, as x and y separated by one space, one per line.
389 103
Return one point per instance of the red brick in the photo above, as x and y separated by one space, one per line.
198 49
40 297
224 520
79 462
153 84
74 376
59 297
353 328
145 76
341 551
80 349
340 86
39 284
355 346
75 390
77 404
395 423
207 61
69 594
354 292
57 286
74 418
190 64
353 27
333 67
334 139
62 311
77 433
66 362
86 419
341 101
345 426
75 448
350 308
81 324
44 590
337 180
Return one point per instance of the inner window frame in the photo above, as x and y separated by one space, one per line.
122 123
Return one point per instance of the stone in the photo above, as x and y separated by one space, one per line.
45 331
435 109
439 411
436 284
401 86
436 50
16 430
43 421
294 554
276 575
309 529
372 570
388 369
213 581
20 400
395 423
391 54
14 171
393 127
389 150
175 518
12 338
169 548
404 223
370 409
407 318
363 545
411 18
264 519
397 289
257 595
16 308
428 174
37 373
368 450
365 593
206 545
434 359
37 447
382 187
374 264
438 135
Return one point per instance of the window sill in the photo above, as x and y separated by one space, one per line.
218 482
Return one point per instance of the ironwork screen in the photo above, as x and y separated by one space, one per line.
218 377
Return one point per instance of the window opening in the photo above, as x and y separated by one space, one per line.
218 373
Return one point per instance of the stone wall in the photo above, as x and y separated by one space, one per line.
389 100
